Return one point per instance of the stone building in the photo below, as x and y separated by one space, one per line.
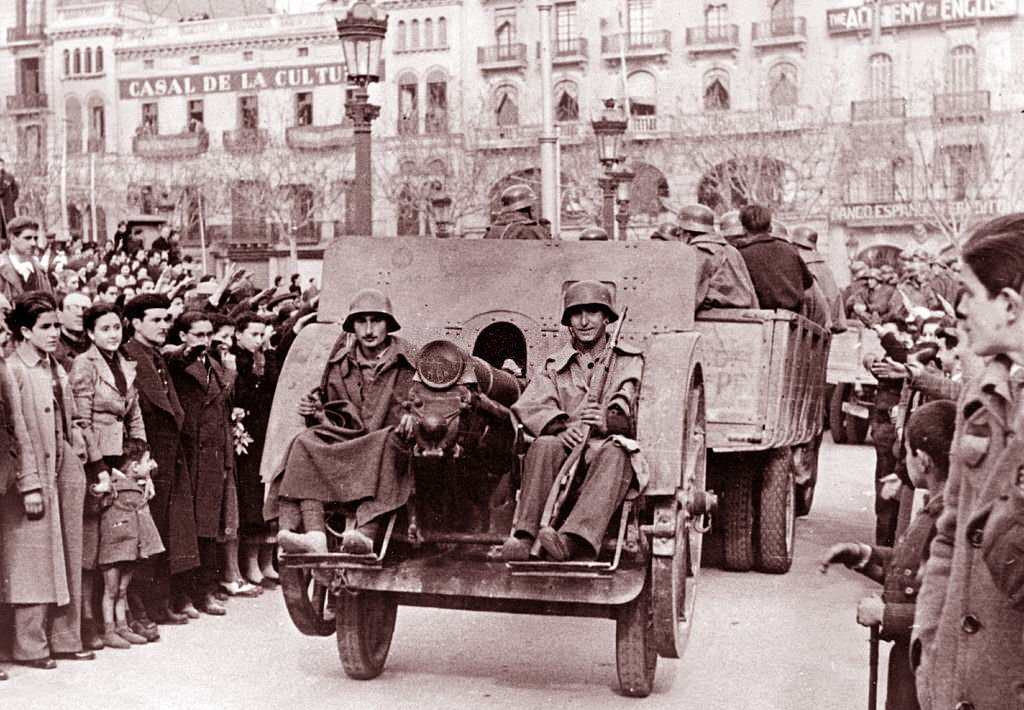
884 126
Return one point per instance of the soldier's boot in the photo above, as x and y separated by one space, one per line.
516 549
358 540
292 542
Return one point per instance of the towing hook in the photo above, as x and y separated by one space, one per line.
702 503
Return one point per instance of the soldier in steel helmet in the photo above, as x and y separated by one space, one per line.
722 277
556 408
593 234
516 219
354 450
857 286
805 239
667 232
730 227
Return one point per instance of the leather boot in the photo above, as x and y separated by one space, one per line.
130 636
92 639
111 639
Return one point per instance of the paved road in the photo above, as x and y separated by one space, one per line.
760 643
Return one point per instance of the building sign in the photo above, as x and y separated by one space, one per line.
225 82
909 211
914 13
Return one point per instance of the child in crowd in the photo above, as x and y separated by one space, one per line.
127 534
929 436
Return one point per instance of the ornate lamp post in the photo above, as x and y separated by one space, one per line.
609 130
624 179
442 205
362 34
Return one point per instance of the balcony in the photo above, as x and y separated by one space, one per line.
27 103
780 32
713 39
572 132
506 137
246 140
962 106
501 57
318 138
174 145
25 34
647 127
770 120
636 45
878 110
567 50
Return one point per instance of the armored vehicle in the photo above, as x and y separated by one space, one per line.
478 310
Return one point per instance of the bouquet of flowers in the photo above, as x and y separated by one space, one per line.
238 433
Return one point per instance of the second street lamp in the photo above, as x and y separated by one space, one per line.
362 33
442 206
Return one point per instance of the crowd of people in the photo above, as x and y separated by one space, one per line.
135 397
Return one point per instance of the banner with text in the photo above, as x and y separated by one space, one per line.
225 82
915 13
903 211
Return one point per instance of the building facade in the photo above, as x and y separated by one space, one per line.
885 126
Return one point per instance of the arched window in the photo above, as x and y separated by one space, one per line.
643 90
783 89
442 32
782 17
400 40
78 62
414 34
505 34
408 213
428 33
506 106
73 125
67 62
437 102
408 104
87 64
650 188
962 76
881 77
567 102
99 59
97 125
716 90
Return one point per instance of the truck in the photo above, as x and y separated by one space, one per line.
730 384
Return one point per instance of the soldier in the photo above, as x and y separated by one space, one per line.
354 451
593 234
805 240
556 407
667 232
515 220
723 280
730 227
913 290
857 286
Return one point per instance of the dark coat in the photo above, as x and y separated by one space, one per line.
8 198
173 507
70 348
10 449
255 394
829 288
516 226
206 438
779 274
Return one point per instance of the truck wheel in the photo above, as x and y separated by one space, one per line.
777 514
308 602
737 517
856 430
836 415
636 659
366 623
806 457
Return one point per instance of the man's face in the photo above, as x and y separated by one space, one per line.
986 320
71 314
45 334
588 324
371 330
251 338
108 296
224 336
200 333
24 242
153 326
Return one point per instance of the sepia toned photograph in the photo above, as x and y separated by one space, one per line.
513 354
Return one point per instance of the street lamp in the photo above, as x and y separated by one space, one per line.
609 130
624 180
362 34
442 205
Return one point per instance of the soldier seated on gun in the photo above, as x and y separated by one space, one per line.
561 406
355 450
516 220
929 437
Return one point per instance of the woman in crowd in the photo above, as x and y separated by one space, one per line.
107 406
41 517
970 634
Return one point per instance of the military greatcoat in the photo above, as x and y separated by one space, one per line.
723 280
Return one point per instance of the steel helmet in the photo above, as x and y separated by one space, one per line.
517 197
667 232
780 230
593 234
730 225
588 293
875 274
697 218
805 237
370 300
858 269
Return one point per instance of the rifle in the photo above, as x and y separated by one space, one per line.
567 473
873 668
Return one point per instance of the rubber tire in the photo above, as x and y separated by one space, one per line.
737 518
366 624
856 430
636 659
306 601
805 492
836 415
776 514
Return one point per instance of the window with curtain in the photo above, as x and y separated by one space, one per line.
248 112
565 28
567 103
881 77
639 20
716 91
782 17
97 121
304 108
150 118
783 89
716 17
505 31
963 167
437 102
408 109
962 74
506 106
643 90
